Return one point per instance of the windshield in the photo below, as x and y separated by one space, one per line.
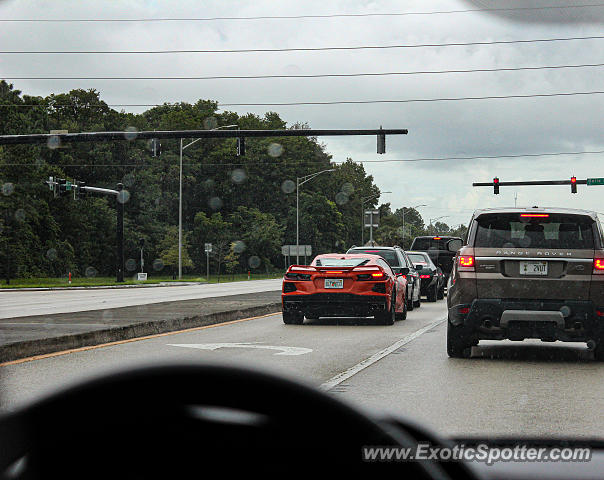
169 171
548 231
389 255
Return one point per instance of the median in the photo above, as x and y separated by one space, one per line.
24 337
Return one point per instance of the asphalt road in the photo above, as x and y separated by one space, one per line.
48 302
525 389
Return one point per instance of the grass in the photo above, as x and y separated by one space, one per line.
108 281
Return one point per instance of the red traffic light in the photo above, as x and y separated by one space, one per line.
496 185
573 184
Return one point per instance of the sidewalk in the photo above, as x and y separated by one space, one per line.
36 335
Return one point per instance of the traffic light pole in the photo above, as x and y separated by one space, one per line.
59 186
573 182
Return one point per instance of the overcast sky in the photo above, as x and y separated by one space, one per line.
436 129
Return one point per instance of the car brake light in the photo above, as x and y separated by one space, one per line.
436 238
377 275
463 310
466 263
535 215
598 266
334 271
600 313
424 276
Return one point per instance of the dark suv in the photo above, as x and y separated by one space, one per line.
436 247
528 273
397 259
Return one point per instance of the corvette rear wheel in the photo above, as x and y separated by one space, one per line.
293 318
388 316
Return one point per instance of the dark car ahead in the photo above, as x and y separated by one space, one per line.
432 277
528 273
437 247
397 258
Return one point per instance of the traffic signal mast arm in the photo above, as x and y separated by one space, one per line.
573 182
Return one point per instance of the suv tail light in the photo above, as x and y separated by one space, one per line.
598 266
465 263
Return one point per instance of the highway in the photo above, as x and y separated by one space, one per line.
48 302
528 388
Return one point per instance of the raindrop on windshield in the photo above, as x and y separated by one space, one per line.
210 123
239 246
51 254
90 272
341 198
254 261
20 215
53 142
215 203
131 264
158 264
123 196
131 133
8 189
128 179
275 150
348 188
238 175
288 186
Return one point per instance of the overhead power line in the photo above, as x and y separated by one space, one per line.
296 17
283 162
335 102
319 75
295 49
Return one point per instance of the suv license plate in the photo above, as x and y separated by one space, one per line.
533 268
334 283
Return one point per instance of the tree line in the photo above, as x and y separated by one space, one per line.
244 205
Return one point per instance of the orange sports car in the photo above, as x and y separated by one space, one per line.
344 285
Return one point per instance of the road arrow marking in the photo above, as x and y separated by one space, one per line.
216 346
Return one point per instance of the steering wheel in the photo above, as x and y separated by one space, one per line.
169 421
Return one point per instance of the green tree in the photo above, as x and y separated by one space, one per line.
169 249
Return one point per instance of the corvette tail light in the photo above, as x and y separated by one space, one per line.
289 287
377 275
465 263
297 276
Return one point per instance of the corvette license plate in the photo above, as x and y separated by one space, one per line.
533 268
334 283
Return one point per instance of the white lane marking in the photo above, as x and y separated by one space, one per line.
345 375
216 346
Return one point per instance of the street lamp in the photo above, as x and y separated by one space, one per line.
363 201
183 147
299 183
437 218
410 208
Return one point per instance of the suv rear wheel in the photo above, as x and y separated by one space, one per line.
432 293
459 341
409 300
441 293
599 351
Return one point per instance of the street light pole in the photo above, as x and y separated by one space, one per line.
437 218
180 197
299 183
363 201
411 208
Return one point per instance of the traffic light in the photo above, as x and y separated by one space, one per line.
381 142
573 184
240 146
81 190
496 185
155 147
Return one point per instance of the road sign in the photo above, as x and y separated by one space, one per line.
372 218
141 276
595 181
208 248
292 251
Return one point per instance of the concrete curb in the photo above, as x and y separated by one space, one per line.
100 287
19 350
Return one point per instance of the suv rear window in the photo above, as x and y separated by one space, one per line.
548 231
389 255
430 243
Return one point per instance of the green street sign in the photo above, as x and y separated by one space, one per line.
595 181
68 185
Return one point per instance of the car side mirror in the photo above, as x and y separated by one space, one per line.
454 244
403 271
